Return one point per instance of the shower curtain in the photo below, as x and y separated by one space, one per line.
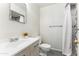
67 32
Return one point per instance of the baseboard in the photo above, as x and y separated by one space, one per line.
56 49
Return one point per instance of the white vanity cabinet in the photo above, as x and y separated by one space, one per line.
31 50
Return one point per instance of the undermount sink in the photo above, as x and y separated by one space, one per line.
8 46
11 44
16 43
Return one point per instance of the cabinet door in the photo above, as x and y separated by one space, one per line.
34 50
25 52
20 54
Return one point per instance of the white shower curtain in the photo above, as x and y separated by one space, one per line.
67 32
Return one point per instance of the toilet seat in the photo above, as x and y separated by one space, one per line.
45 46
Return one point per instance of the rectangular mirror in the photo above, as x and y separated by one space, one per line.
18 12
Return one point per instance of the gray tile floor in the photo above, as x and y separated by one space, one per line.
57 53
54 53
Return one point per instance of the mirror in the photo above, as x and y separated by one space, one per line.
18 12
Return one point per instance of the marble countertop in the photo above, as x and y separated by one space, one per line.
12 48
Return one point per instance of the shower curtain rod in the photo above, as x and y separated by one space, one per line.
69 3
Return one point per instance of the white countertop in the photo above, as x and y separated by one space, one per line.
12 48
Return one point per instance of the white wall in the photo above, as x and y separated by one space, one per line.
49 16
10 28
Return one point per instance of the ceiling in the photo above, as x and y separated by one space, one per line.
23 5
44 4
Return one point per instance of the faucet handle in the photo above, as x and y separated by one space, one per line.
12 39
16 38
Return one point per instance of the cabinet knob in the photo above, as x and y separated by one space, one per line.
36 45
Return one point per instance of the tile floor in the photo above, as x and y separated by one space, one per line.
54 53
57 53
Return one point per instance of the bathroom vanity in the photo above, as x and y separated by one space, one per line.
31 50
23 47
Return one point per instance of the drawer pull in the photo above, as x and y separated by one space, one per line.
36 45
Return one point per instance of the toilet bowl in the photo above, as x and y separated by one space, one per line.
44 49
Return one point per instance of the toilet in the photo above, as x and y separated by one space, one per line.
44 48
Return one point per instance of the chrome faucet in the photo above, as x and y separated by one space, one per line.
13 39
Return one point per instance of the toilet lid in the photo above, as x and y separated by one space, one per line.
45 45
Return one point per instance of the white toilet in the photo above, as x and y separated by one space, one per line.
44 48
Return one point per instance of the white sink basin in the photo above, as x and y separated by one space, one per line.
4 47
14 44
